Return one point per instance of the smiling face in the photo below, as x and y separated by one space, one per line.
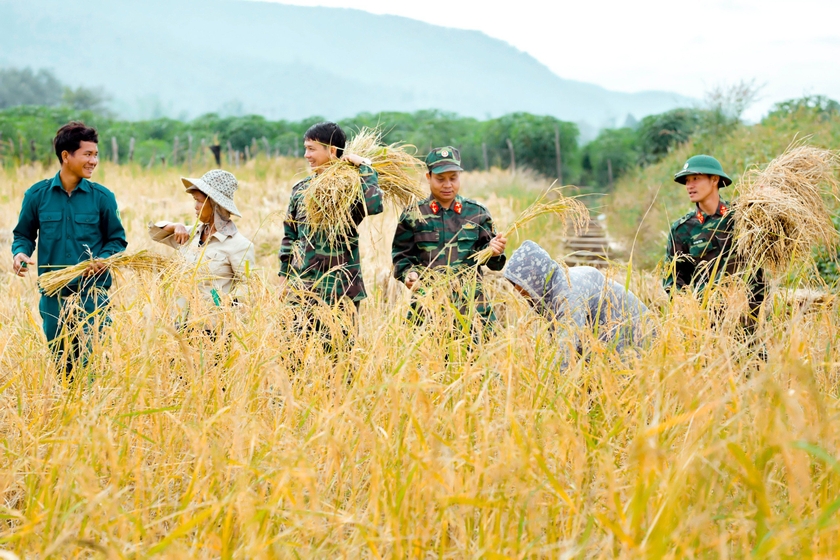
82 162
701 188
203 207
318 154
444 186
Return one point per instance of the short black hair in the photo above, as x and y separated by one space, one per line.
70 136
329 134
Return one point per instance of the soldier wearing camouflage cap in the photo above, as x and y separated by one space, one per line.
448 231
700 245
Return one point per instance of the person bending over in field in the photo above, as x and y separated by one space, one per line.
576 299
320 272
216 242
70 219
445 235
700 249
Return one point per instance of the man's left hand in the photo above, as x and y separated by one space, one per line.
356 160
497 244
95 267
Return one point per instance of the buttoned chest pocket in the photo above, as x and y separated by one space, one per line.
50 223
217 262
708 245
87 228
467 237
427 241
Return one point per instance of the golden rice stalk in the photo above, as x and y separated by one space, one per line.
781 212
331 196
398 169
567 209
142 261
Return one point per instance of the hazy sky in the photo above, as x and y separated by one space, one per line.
792 47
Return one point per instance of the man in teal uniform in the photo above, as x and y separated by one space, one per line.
700 246
70 219
446 234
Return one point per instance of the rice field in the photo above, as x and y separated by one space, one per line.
177 446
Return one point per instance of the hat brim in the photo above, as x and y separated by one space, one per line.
724 178
437 170
217 197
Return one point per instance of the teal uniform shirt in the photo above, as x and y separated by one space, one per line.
69 229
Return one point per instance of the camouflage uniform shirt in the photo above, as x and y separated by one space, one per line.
443 237
699 246
307 258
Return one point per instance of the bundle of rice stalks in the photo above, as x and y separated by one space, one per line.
781 213
552 201
142 261
332 195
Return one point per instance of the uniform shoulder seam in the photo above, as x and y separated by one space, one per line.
475 202
299 183
682 220
101 188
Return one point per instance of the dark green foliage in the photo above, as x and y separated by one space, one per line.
533 137
658 134
611 153
826 259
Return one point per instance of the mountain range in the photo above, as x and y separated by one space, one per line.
183 58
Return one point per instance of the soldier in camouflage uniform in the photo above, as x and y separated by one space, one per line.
331 274
701 244
447 232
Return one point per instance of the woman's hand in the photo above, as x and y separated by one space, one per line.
181 234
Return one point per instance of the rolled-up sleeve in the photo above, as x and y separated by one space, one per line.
159 234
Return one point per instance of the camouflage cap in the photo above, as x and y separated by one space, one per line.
441 160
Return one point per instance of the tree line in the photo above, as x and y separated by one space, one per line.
34 104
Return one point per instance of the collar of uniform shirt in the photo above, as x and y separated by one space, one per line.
84 184
456 206
723 208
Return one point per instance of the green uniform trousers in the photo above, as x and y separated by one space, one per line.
65 316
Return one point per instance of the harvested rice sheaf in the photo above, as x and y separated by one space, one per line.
332 195
566 209
781 211
142 261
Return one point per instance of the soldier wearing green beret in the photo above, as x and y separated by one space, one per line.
700 246
448 231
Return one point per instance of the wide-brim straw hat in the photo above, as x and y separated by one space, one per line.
218 185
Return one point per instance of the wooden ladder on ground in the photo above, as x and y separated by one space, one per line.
590 248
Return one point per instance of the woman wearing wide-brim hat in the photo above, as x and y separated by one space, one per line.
216 242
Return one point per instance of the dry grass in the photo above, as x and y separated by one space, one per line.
781 211
182 447
567 210
142 261
333 194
